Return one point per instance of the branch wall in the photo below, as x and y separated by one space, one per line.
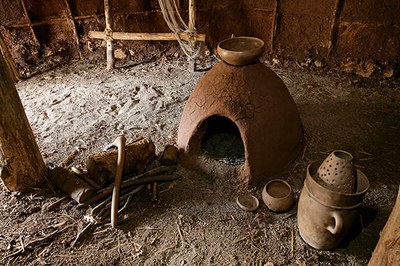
357 36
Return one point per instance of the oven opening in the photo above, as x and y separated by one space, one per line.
222 141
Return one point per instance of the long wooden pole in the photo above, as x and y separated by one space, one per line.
127 36
109 36
21 164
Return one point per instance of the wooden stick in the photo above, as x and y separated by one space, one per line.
274 24
57 203
38 241
127 36
107 191
150 179
120 143
29 22
82 233
108 36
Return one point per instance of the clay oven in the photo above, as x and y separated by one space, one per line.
253 101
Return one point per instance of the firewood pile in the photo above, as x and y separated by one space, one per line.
112 178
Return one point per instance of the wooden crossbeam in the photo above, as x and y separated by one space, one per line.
127 36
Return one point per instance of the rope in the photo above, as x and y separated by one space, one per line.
172 17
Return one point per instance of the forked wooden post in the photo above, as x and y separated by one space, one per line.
21 164
108 36
192 28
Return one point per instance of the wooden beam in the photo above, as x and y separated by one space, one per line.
72 22
387 251
29 22
126 36
53 21
21 164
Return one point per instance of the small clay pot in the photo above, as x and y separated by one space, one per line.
240 51
278 195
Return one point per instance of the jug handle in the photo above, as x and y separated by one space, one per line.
335 229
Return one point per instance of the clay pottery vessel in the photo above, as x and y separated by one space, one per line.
240 51
247 202
337 172
278 195
325 216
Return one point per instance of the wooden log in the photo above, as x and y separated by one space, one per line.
71 184
170 155
102 166
127 36
387 251
21 164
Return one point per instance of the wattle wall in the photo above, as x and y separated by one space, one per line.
357 36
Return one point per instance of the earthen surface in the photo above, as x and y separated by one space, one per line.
84 106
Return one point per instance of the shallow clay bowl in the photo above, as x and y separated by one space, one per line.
247 202
278 195
240 51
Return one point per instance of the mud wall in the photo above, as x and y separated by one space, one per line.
360 37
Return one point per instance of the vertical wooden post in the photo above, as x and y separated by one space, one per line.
108 35
192 15
192 28
29 22
72 22
274 25
334 26
21 164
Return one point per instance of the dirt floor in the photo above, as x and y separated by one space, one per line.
194 220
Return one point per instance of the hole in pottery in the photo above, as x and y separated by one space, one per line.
222 140
343 155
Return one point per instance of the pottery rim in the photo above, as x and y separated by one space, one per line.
278 204
241 56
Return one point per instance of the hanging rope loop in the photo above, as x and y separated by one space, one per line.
172 17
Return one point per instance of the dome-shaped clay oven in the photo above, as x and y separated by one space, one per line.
256 100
